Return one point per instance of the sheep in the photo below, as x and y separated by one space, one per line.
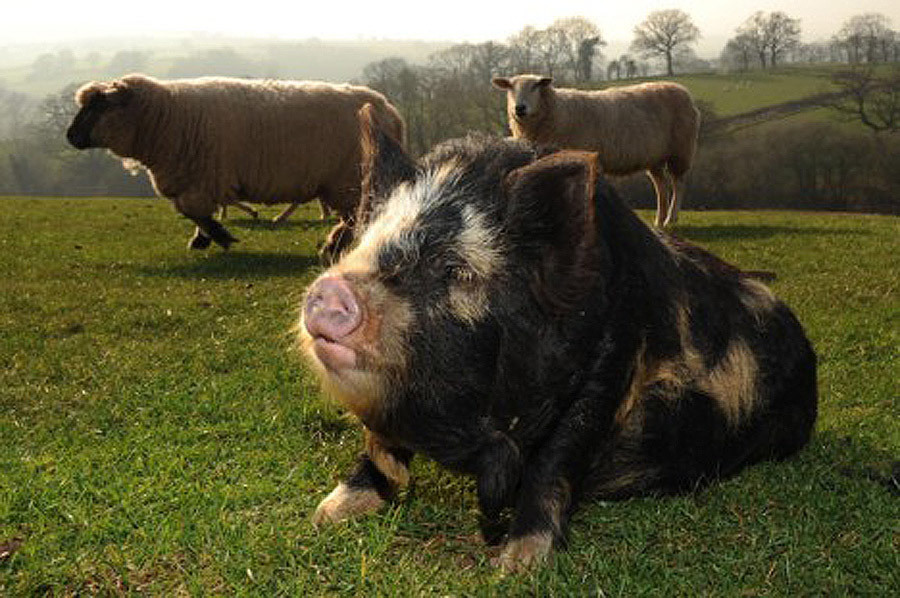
215 141
651 126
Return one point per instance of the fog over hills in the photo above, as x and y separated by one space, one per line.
41 68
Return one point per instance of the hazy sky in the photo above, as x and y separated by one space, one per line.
453 20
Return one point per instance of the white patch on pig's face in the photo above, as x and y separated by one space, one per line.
471 255
482 256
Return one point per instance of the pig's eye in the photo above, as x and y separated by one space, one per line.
460 274
392 276
392 263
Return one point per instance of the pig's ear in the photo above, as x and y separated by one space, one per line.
384 163
551 220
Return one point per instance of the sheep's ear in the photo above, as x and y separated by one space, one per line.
551 217
544 82
501 83
384 162
119 94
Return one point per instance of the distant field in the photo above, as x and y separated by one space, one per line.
160 436
735 93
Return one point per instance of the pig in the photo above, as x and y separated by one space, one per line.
505 314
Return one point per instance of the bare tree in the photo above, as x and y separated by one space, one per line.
782 34
577 40
550 50
614 70
523 50
867 38
384 75
869 96
739 51
488 60
753 33
455 60
663 33
770 36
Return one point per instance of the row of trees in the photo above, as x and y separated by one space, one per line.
767 40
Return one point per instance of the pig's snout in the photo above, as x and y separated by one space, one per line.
332 310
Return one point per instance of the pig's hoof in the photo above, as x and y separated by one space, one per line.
345 502
526 553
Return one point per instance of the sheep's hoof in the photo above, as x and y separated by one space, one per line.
199 241
221 235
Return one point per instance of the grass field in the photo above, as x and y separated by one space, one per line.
735 93
160 436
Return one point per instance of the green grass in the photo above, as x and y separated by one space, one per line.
735 93
161 437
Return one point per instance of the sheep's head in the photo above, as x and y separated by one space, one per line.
523 94
104 119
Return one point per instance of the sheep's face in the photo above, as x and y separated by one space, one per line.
103 118
523 95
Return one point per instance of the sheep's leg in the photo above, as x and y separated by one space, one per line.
247 208
208 229
324 210
285 213
199 240
658 176
672 216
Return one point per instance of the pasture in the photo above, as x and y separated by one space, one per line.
161 436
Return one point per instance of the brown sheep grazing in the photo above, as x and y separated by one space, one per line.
651 126
215 141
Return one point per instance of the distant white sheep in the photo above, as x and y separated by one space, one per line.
215 141
652 127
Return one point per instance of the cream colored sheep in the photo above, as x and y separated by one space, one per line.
652 127
214 141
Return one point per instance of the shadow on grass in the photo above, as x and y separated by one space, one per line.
859 462
730 232
297 224
236 264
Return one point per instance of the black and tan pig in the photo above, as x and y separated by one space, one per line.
506 315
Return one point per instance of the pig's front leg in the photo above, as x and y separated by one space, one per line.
552 484
379 473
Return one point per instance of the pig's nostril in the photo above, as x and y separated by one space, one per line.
332 310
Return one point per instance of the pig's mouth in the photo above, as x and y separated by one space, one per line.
334 355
